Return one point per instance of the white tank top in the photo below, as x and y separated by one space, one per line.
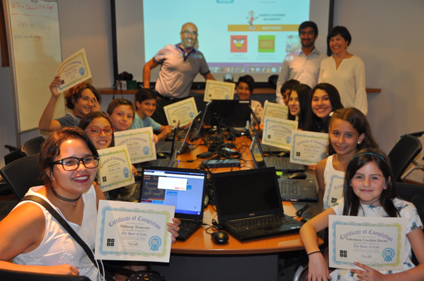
58 247
333 181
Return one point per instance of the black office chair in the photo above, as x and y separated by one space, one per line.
22 174
403 153
30 147
9 275
413 193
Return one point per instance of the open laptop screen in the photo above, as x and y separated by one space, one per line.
232 113
246 193
182 188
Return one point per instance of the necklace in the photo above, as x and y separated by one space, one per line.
64 198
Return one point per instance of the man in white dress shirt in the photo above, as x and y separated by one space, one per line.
302 65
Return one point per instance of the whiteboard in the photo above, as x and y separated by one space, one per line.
35 54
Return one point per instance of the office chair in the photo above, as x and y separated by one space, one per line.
30 147
22 174
403 153
9 275
413 193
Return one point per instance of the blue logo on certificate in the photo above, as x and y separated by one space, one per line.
126 172
81 71
191 115
288 139
388 254
146 150
154 243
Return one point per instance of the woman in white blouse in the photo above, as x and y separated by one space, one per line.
344 70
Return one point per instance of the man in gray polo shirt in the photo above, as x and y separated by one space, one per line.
180 63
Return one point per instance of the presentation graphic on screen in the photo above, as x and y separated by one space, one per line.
237 37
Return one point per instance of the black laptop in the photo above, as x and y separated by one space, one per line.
190 132
280 163
166 147
249 205
228 113
182 188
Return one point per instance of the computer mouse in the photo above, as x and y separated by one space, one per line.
160 155
300 176
220 237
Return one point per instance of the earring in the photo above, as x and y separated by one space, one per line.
359 143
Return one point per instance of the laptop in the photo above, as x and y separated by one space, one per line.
165 147
168 161
280 163
198 129
182 188
190 132
248 204
228 113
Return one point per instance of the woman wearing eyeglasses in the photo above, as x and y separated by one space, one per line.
32 238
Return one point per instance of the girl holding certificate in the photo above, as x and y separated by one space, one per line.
299 106
369 192
348 133
32 238
324 100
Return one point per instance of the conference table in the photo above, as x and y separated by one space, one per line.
199 258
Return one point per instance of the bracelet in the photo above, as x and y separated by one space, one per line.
314 253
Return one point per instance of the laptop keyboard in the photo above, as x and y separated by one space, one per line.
280 162
262 222
288 187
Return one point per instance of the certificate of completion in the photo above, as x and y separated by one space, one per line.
114 168
375 241
308 147
272 109
133 231
139 143
278 132
217 90
74 70
182 111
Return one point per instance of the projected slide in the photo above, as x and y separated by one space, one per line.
236 36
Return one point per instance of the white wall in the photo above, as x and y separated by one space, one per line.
387 35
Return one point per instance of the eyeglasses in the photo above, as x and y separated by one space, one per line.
186 32
72 163
97 131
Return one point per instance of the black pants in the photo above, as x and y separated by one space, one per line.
159 115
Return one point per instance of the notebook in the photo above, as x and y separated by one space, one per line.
169 160
182 188
297 190
280 163
190 132
228 113
164 146
248 204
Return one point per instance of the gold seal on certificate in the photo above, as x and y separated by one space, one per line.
278 132
139 143
182 112
133 231
216 90
114 168
308 147
74 70
374 241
